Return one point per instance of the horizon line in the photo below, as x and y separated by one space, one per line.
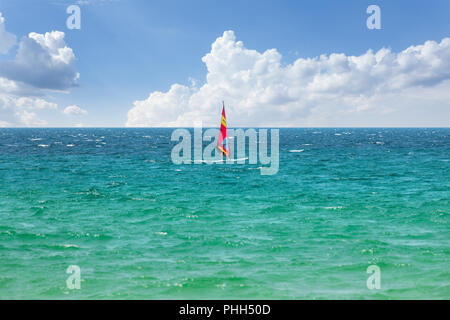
238 127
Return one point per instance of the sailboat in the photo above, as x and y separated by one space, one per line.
222 142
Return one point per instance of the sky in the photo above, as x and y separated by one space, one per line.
141 63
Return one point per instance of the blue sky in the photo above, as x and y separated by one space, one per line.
127 50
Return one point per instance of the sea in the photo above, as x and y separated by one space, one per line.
104 213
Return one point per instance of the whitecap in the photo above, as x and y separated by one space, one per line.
220 160
70 145
43 145
301 150
27 225
240 159
209 161
68 245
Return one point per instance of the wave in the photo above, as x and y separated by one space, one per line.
218 161
68 245
240 159
301 150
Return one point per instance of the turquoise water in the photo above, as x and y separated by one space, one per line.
138 226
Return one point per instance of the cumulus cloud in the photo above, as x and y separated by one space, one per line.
75 111
21 111
30 119
25 103
335 89
7 40
43 61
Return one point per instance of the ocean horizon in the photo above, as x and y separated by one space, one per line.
111 202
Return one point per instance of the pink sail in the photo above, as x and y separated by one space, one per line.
222 143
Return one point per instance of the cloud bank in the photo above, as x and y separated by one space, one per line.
43 62
373 89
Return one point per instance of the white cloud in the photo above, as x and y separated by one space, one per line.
25 103
29 103
75 111
7 40
330 90
4 124
20 111
8 86
43 61
30 119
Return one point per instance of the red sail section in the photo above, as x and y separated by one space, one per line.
222 143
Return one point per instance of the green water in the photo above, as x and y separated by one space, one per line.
111 202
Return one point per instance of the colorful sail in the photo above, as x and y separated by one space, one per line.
222 143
